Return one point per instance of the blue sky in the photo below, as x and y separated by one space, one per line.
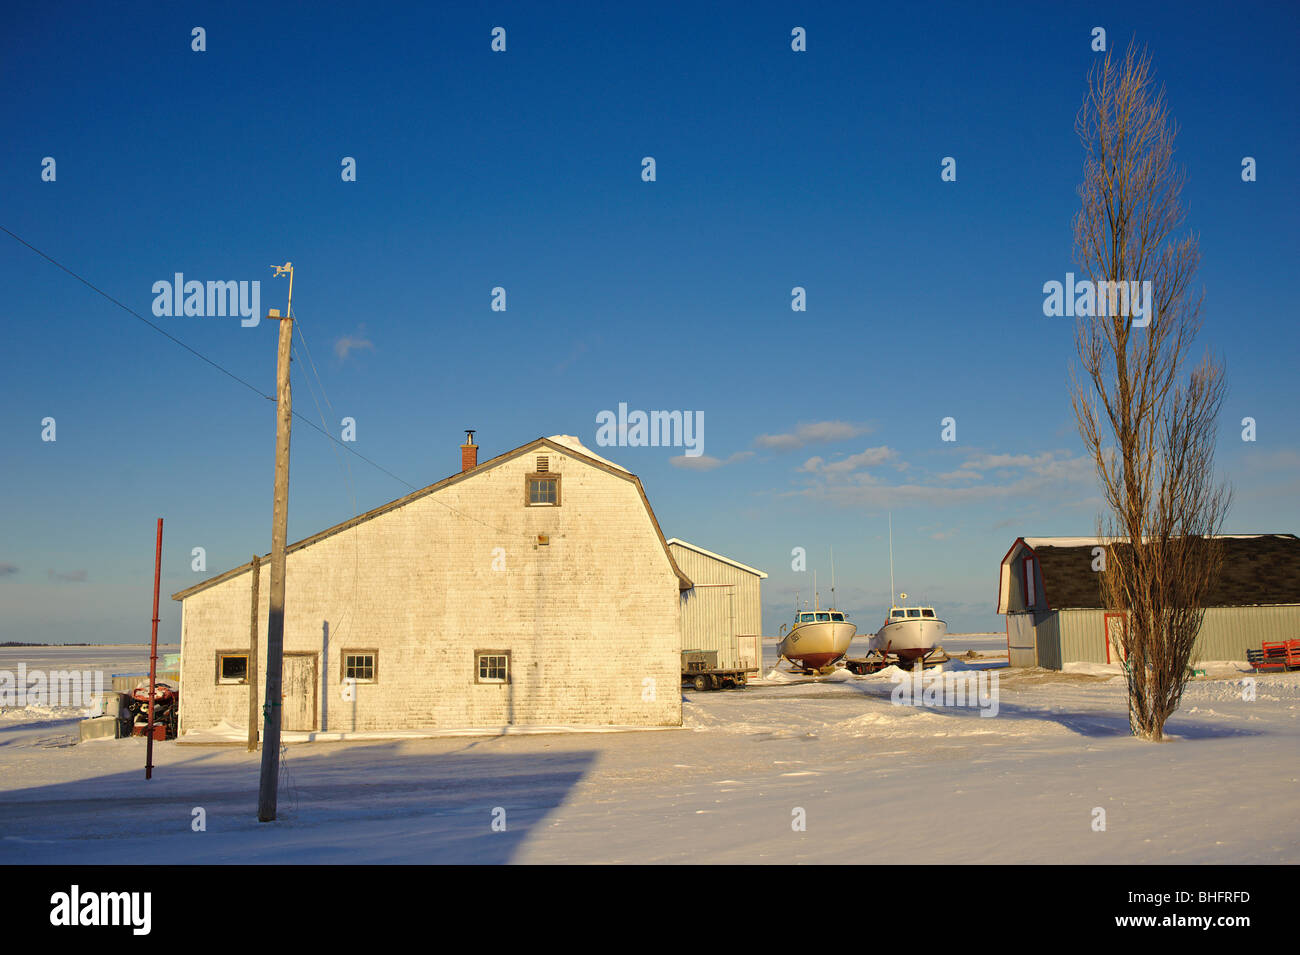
522 169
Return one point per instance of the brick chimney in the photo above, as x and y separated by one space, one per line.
468 452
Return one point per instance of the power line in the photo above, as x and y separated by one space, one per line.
130 311
251 387
202 357
345 466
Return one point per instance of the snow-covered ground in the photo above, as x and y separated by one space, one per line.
876 783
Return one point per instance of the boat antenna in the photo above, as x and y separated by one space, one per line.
816 594
832 607
891 558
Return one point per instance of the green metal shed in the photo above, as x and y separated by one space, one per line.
1049 589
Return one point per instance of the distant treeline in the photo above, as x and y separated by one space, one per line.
19 643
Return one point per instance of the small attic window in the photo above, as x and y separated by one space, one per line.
542 490
543 463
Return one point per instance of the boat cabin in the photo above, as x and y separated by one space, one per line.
822 616
905 613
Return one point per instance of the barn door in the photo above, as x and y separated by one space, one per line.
748 649
1022 640
298 693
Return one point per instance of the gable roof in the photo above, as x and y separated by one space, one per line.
708 553
569 446
1258 569
573 444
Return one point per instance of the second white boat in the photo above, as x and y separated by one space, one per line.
910 633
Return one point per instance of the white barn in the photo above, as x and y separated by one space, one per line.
534 589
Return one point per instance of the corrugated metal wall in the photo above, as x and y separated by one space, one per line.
1226 633
723 611
1034 639
708 622
1081 638
1048 627
1020 640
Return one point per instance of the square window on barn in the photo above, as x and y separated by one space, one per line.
543 490
232 667
360 665
492 666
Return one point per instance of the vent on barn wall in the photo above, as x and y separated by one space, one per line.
543 464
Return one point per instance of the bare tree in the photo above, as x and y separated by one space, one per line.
1151 433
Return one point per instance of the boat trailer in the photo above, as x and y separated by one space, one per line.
877 660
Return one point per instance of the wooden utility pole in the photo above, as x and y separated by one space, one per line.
252 658
153 654
267 790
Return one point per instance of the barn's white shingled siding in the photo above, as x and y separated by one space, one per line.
591 619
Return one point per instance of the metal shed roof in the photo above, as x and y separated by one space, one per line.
709 553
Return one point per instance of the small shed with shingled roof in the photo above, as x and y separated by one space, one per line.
1049 589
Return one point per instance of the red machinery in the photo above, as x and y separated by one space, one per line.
166 700
1283 655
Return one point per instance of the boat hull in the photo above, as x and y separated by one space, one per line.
911 638
817 645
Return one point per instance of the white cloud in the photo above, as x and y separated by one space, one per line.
847 466
815 432
350 343
704 462
990 462
1051 475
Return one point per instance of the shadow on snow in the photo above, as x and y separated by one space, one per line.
359 803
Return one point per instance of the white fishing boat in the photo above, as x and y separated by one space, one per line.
818 638
910 632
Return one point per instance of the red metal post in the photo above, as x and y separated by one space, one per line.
153 653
